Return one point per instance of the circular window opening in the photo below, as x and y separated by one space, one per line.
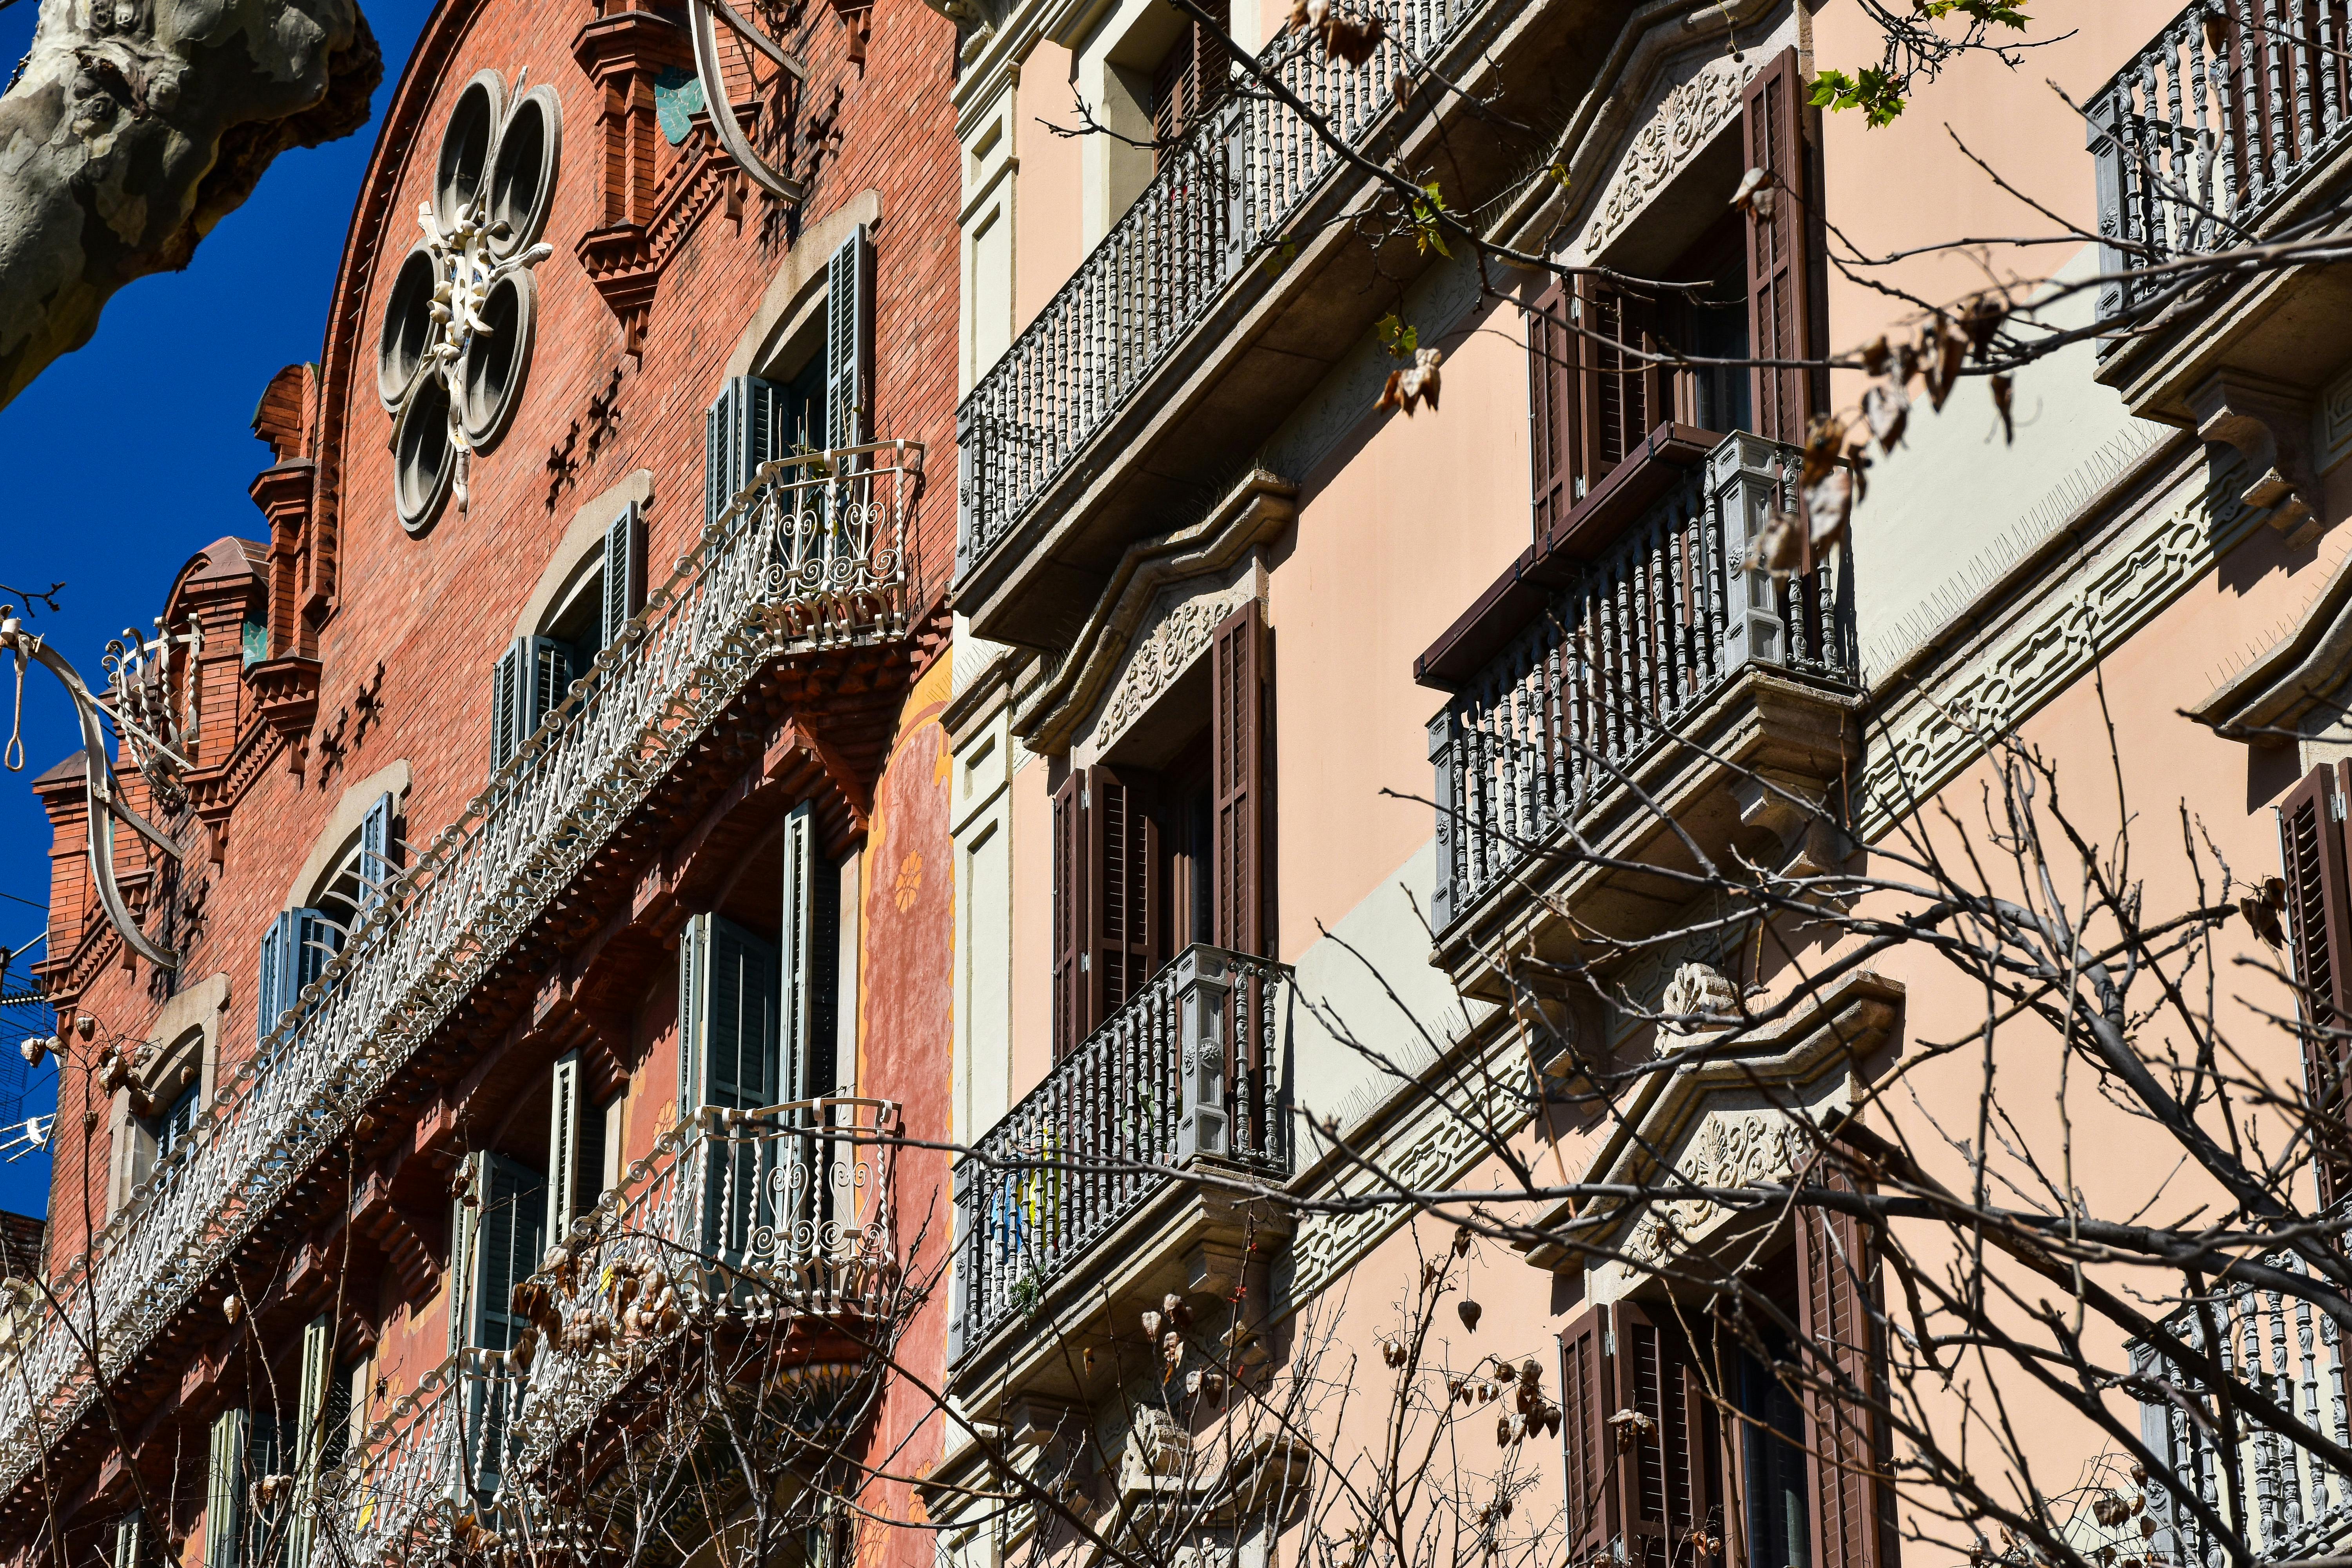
407 327
495 361
522 178
422 456
466 150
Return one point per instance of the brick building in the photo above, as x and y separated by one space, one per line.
561 810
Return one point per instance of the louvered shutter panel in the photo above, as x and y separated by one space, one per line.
624 575
1665 1482
849 341
1588 1451
278 966
565 1108
375 851
1852 1520
1070 920
549 663
505 682
745 429
797 943
737 994
1552 359
1123 944
1780 251
130 1540
225 1491
693 970
465 1230
2319 919
509 1241
1240 741
316 941
265 1523
308 1445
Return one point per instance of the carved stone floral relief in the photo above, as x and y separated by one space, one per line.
1684 121
1176 634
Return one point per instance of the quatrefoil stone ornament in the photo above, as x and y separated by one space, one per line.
459 320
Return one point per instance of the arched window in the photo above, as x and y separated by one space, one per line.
535 674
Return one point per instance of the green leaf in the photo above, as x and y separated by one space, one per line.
1427 234
1877 93
1400 340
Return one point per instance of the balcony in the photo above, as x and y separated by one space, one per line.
1217 301
1625 683
2288 1352
1070 1217
779 1224
2234 125
809 557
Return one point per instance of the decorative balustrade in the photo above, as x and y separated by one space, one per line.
1220 200
811 554
2286 1349
1187 1069
2206 131
763 1215
1618 659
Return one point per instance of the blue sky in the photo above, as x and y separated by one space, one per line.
133 453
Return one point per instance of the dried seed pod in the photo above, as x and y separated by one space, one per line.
1151 1321
1470 1312
1461 1241
1172 1346
1178 1310
232 1308
1530 1371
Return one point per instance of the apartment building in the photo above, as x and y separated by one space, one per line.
1277 706
558 867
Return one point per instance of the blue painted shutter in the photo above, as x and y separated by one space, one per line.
549 666
849 341
509 1239
624 575
745 429
276 967
317 940
503 683
375 852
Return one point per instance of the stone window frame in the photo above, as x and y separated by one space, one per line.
182 1047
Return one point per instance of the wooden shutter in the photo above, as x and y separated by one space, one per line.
308 1438
1240 742
1838 1290
376 865
1621 392
548 664
565 1117
1780 251
1071 1010
2319 919
225 1491
1552 361
505 682
1189 78
624 575
737 1026
465 1228
130 1540
1665 1476
743 430
277 967
1124 939
1586 1441
797 943
849 341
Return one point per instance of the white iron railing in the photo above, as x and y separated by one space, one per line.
804 559
2293 1354
760 1215
2205 132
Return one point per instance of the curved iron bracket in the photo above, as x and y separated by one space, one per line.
100 789
702 26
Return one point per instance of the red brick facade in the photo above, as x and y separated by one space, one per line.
372 648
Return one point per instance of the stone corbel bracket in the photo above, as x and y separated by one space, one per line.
2269 702
2269 423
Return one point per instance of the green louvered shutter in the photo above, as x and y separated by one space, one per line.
743 430
849 341
563 1147
225 1491
508 1240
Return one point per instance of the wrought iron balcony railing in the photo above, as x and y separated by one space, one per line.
803 559
1220 199
2207 130
1638 640
755 1217
2280 1346
1187 1069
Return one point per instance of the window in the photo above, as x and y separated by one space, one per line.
1154 854
176 1121
1190 79
2319 924
1596 388
535 675
497 1241
298 943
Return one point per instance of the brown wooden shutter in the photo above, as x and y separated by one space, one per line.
1839 1292
1552 407
1070 883
1780 250
1123 903
2319 918
1666 1479
1239 741
1586 1441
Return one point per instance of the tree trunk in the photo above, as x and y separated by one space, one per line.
133 126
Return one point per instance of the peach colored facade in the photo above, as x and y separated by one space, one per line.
1216 459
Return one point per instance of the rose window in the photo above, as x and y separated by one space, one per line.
457 322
